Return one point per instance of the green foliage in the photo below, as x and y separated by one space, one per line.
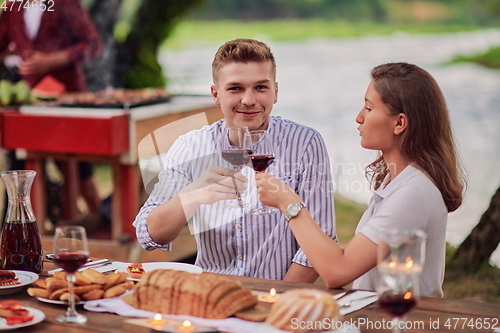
301 9
284 30
347 213
151 25
490 58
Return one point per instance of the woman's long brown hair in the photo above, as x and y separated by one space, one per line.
428 139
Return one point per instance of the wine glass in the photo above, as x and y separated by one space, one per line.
400 259
262 156
236 151
70 253
398 293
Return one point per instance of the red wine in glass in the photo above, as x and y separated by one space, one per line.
20 248
71 262
397 305
237 157
261 162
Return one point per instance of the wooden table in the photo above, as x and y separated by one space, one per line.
118 136
429 311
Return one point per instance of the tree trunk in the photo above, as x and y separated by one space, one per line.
482 241
136 63
99 71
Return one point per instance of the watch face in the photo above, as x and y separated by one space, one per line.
294 210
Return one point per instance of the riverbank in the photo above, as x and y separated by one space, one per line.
200 32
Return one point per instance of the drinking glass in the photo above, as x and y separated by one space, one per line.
262 156
400 258
70 253
236 151
398 293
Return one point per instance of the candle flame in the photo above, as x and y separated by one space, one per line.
158 316
186 323
392 264
407 295
409 263
272 292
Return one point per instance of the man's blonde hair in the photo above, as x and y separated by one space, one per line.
242 50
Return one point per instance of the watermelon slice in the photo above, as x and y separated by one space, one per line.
48 88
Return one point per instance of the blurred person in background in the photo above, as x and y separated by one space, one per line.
51 38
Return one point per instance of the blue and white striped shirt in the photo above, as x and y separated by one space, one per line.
230 240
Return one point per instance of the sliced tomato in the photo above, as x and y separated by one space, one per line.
9 303
15 320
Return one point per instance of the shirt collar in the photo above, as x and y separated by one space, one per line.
387 187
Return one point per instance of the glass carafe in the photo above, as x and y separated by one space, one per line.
21 245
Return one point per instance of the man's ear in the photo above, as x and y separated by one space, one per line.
215 94
401 123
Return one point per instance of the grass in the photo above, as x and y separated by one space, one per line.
287 30
489 59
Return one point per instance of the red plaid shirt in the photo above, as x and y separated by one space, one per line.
68 27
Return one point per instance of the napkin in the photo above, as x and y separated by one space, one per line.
358 299
118 306
230 325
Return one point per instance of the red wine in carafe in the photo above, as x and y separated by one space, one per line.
21 247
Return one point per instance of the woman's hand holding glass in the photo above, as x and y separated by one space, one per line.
273 192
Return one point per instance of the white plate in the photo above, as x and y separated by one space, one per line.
56 301
151 266
38 316
24 278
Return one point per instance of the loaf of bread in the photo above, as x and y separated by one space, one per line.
199 295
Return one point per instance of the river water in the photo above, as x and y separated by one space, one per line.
322 84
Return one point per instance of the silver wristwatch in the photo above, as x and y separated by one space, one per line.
294 210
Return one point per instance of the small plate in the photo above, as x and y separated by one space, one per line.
38 316
24 278
151 266
56 301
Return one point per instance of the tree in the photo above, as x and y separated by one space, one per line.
133 63
136 63
477 248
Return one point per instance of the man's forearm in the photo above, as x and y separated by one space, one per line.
299 273
166 221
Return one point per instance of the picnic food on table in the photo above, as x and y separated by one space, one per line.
305 306
14 313
8 278
89 285
179 292
135 270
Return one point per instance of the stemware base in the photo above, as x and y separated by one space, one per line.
77 319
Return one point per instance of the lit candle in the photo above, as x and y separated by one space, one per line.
270 298
186 327
158 320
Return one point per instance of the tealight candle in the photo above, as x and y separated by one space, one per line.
158 320
270 298
186 327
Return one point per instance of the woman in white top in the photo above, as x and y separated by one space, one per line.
417 180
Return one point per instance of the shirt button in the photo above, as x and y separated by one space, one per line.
240 257
239 226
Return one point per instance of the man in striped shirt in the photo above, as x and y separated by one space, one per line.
196 184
